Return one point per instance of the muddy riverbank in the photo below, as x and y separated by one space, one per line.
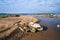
51 31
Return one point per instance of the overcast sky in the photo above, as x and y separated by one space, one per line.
29 6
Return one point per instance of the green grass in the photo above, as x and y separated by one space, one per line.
3 15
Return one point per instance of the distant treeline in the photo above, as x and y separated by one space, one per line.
2 15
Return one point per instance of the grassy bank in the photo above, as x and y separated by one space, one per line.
4 15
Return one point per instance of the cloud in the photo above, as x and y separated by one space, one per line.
30 6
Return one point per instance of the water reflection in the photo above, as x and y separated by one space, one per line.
53 22
44 27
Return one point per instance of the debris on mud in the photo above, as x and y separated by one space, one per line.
29 27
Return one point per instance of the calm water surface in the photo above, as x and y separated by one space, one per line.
51 21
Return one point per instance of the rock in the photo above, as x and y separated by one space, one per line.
26 29
23 24
21 29
35 25
40 29
32 29
31 26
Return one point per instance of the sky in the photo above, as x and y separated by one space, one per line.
29 6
